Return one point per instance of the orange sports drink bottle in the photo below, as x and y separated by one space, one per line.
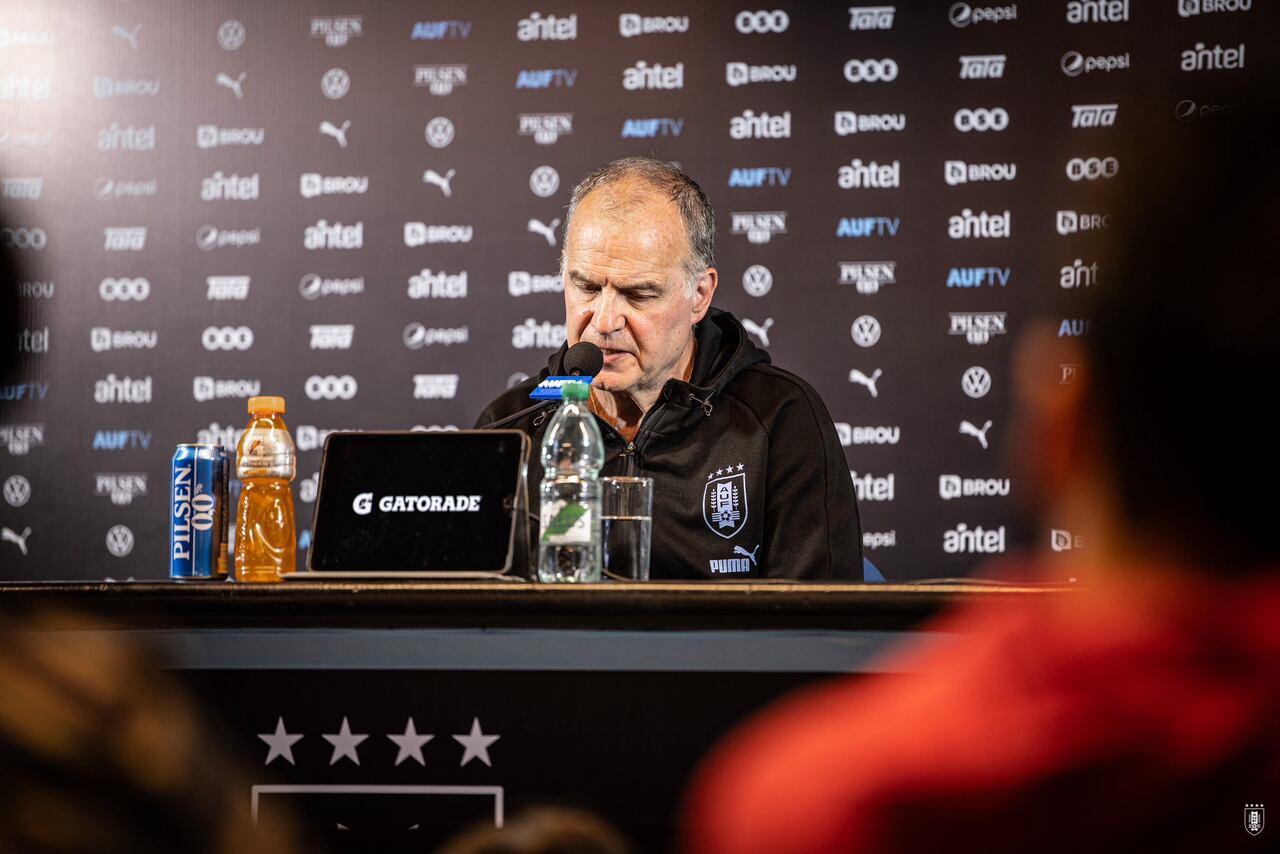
266 543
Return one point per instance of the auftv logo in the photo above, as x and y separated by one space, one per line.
868 226
651 128
760 176
546 78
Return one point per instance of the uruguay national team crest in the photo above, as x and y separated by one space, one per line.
724 500
1255 818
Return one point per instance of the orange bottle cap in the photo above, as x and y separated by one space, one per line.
266 404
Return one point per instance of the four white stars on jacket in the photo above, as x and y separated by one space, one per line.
475 744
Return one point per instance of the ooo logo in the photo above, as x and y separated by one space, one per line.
335 83
24 238
439 132
870 70
776 21
124 290
330 387
227 338
981 120
1092 168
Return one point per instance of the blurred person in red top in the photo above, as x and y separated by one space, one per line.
1142 712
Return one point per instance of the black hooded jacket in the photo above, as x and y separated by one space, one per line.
750 480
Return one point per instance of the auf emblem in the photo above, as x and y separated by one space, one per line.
724 503
1255 818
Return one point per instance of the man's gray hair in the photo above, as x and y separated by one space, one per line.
671 182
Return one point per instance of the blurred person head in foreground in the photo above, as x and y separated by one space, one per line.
1142 712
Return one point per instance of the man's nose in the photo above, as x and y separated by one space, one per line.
609 316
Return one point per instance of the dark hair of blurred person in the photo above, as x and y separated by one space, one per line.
1143 712
542 830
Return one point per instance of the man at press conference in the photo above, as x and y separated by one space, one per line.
686 398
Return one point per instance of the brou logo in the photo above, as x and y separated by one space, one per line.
1070 222
212 136
952 486
649 128
760 176
741 74
631 25
849 123
868 226
957 172
1191 8
657 76
312 184
759 226
419 233
547 78
977 540
521 283
762 126
850 435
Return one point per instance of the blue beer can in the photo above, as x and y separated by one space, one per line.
198 512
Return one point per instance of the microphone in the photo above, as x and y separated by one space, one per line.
583 359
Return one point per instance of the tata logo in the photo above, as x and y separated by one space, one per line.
650 128
981 119
1071 222
204 389
847 123
219 187
1097 11
212 136
956 172
330 387
440 79
419 233
1077 274
741 74
20 87
332 336
113 389
976 540
435 386
977 277
1202 58
851 435
438 285
339 30
759 227
1092 168
21 438
533 334
132 239
521 283
1074 327
1064 541
868 487
642 75
868 226
951 486
776 21
1191 8
312 286
1074 63
546 128
869 176
439 30
871 18
760 176
749 125
988 66
326 235
868 276
968 225
1093 115
632 25
538 27
122 440
977 327
870 70
547 78
963 15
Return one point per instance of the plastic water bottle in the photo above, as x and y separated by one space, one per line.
266 543
572 454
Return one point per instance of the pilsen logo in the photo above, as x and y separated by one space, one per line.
724 501
545 128
364 503
759 226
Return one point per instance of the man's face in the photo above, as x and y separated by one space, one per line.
624 290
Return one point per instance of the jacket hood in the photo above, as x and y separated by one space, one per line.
724 351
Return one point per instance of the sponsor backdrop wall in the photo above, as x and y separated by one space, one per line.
361 210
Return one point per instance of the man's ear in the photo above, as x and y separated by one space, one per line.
702 294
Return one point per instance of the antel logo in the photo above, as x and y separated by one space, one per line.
227 338
1092 168
326 235
1077 274
870 175
113 389
538 27
124 290
976 540
438 285
229 188
631 25
330 387
968 225
1202 58
1075 63
962 14
868 487
32 340
762 126
642 75
951 486
981 119
870 70
748 22
1097 11
532 334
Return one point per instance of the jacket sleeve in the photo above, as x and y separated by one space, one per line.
812 528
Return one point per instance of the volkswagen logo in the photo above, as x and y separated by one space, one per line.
119 540
865 331
757 280
976 382
17 490
439 132
544 181
335 83
231 35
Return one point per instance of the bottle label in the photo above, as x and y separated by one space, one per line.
565 523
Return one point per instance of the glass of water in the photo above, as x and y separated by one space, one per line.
626 515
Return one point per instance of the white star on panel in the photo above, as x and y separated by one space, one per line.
476 744
280 742
410 743
741 466
344 743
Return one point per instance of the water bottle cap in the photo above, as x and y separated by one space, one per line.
574 391
266 404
